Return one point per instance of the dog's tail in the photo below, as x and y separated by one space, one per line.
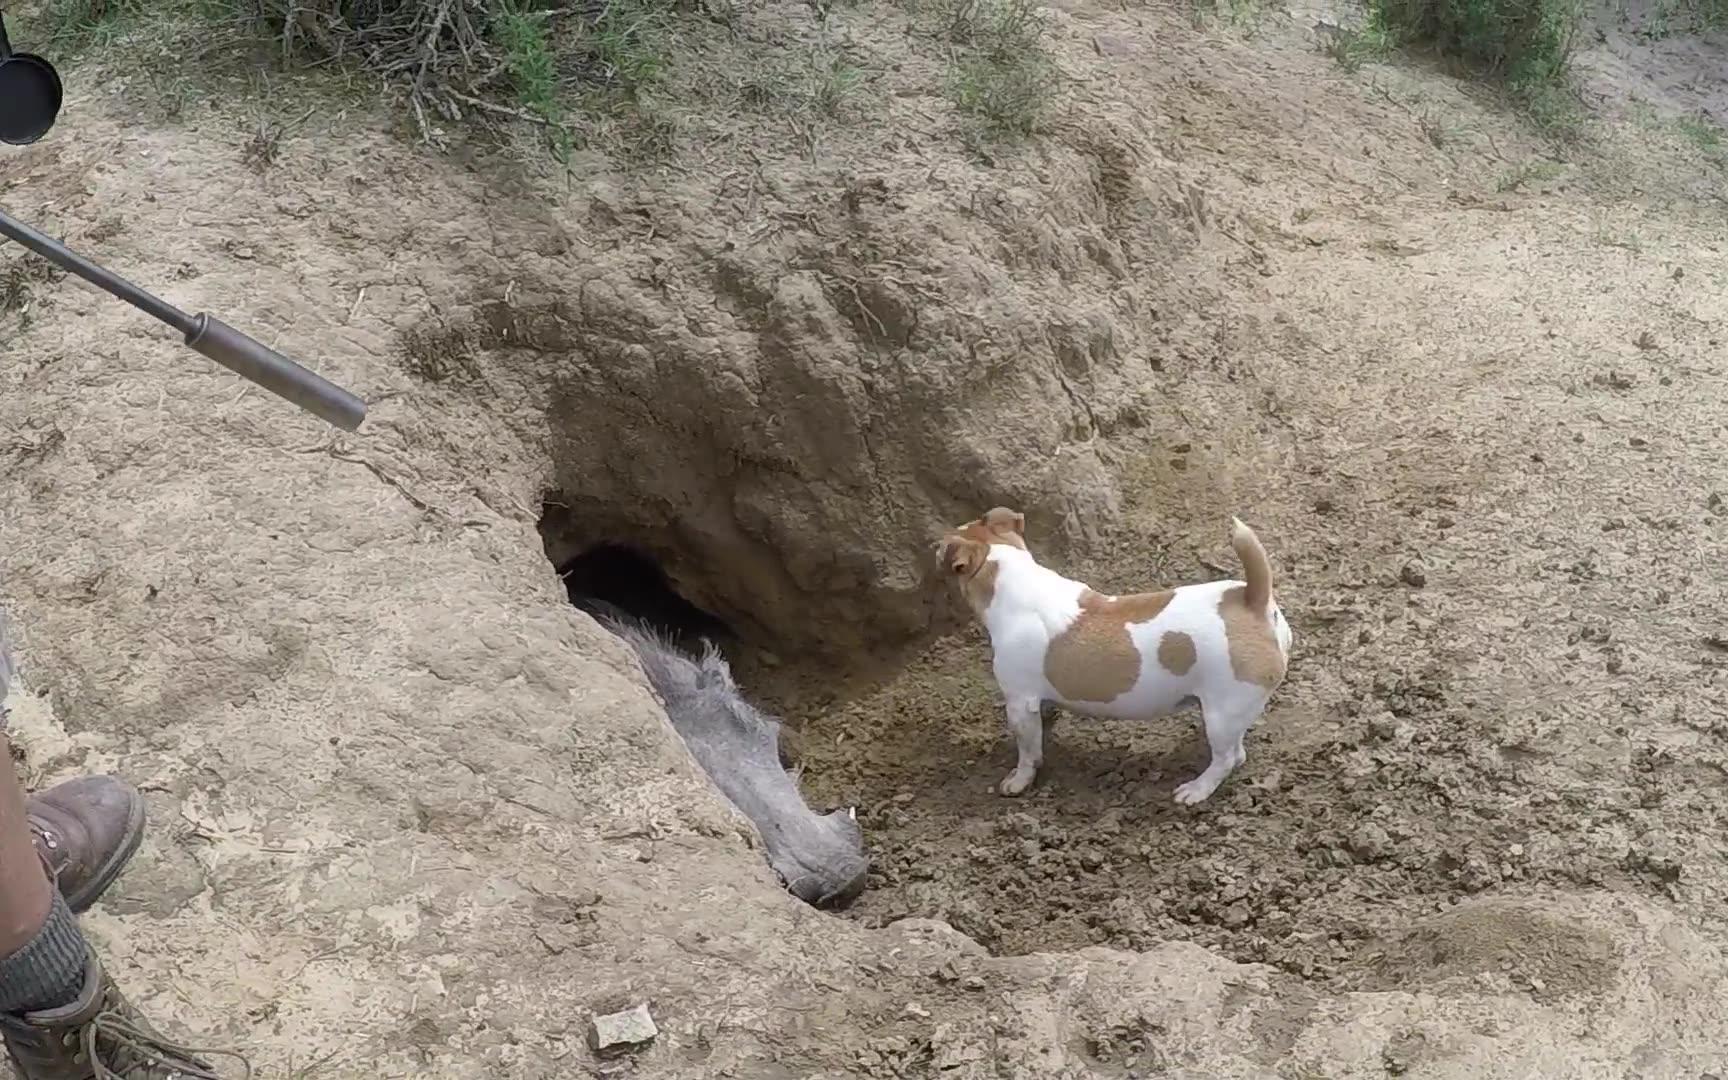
1256 567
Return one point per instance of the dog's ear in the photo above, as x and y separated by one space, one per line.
1006 522
962 557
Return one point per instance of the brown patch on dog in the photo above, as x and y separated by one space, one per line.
1095 658
967 558
962 555
999 526
1176 652
965 553
980 589
1254 653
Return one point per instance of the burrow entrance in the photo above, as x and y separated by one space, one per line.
601 574
815 850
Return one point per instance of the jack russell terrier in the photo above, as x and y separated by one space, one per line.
1223 644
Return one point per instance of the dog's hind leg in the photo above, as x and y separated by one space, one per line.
1028 728
1227 720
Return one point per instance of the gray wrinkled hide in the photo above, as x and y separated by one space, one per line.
819 857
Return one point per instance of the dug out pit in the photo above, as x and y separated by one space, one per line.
1368 802
1371 801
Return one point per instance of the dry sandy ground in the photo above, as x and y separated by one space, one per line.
415 816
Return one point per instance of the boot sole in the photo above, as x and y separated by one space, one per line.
85 898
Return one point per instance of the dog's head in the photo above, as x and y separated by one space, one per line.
964 551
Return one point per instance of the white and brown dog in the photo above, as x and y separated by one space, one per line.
1223 644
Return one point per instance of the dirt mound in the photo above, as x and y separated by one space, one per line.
1551 952
786 421
413 815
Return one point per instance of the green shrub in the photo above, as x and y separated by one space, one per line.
521 35
1003 75
1526 43
1008 95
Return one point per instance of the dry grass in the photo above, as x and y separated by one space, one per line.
636 79
19 280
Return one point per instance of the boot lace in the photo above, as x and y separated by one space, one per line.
132 1048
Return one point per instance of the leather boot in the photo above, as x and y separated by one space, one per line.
86 830
100 1036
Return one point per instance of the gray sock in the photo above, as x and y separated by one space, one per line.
48 971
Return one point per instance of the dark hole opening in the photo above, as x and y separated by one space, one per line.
612 578
820 858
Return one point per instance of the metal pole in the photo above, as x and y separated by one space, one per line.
208 335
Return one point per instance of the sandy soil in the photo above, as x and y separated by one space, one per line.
415 816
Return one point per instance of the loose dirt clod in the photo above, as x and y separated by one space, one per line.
622 1030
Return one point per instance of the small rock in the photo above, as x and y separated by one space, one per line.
622 1030
973 982
903 798
1413 576
1235 916
1660 863
1112 45
917 1011
1370 842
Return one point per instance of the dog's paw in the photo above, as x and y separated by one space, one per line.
1194 791
1016 782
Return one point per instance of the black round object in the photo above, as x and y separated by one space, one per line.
30 94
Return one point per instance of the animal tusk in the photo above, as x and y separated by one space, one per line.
852 812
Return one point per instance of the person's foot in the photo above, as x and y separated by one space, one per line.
86 830
99 1034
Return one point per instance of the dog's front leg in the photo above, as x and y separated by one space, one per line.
1027 724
